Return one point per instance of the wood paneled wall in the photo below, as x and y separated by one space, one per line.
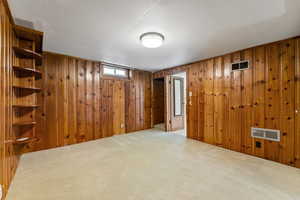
297 105
170 71
138 101
224 104
8 155
158 101
78 104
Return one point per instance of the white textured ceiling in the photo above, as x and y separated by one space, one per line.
109 30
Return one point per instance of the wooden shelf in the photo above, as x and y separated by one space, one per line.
29 50
25 106
27 88
26 53
24 124
24 72
30 34
24 140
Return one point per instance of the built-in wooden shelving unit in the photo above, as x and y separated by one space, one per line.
24 123
26 140
26 53
26 82
31 35
25 106
33 89
27 72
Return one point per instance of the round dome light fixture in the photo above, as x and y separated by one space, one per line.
152 39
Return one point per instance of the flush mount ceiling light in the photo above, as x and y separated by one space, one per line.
152 39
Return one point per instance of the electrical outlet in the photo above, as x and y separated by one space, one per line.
258 144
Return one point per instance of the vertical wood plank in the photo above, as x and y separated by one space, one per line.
81 99
200 117
193 104
118 108
51 102
110 107
142 101
297 105
235 107
208 84
97 101
227 91
272 101
218 101
247 100
72 102
259 97
103 116
287 104
167 103
137 102
127 104
90 75
62 100
104 103
148 100
132 106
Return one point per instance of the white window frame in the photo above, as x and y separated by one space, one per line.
115 68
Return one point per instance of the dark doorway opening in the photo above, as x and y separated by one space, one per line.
159 103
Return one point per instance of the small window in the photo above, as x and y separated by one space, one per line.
108 71
121 72
115 71
178 96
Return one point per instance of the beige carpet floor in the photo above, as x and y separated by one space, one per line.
151 165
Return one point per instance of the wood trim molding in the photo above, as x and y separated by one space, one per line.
7 8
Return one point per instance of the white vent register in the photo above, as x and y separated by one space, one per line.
267 134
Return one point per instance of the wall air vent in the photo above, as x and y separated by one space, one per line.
240 65
267 134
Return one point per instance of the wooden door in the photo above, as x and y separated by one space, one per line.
175 103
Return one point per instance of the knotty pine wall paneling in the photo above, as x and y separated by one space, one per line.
138 101
208 87
147 89
195 103
259 96
272 99
130 108
235 101
119 107
79 104
287 103
246 102
8 154
225 105
226 136
297 105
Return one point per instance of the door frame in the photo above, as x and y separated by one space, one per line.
169 102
